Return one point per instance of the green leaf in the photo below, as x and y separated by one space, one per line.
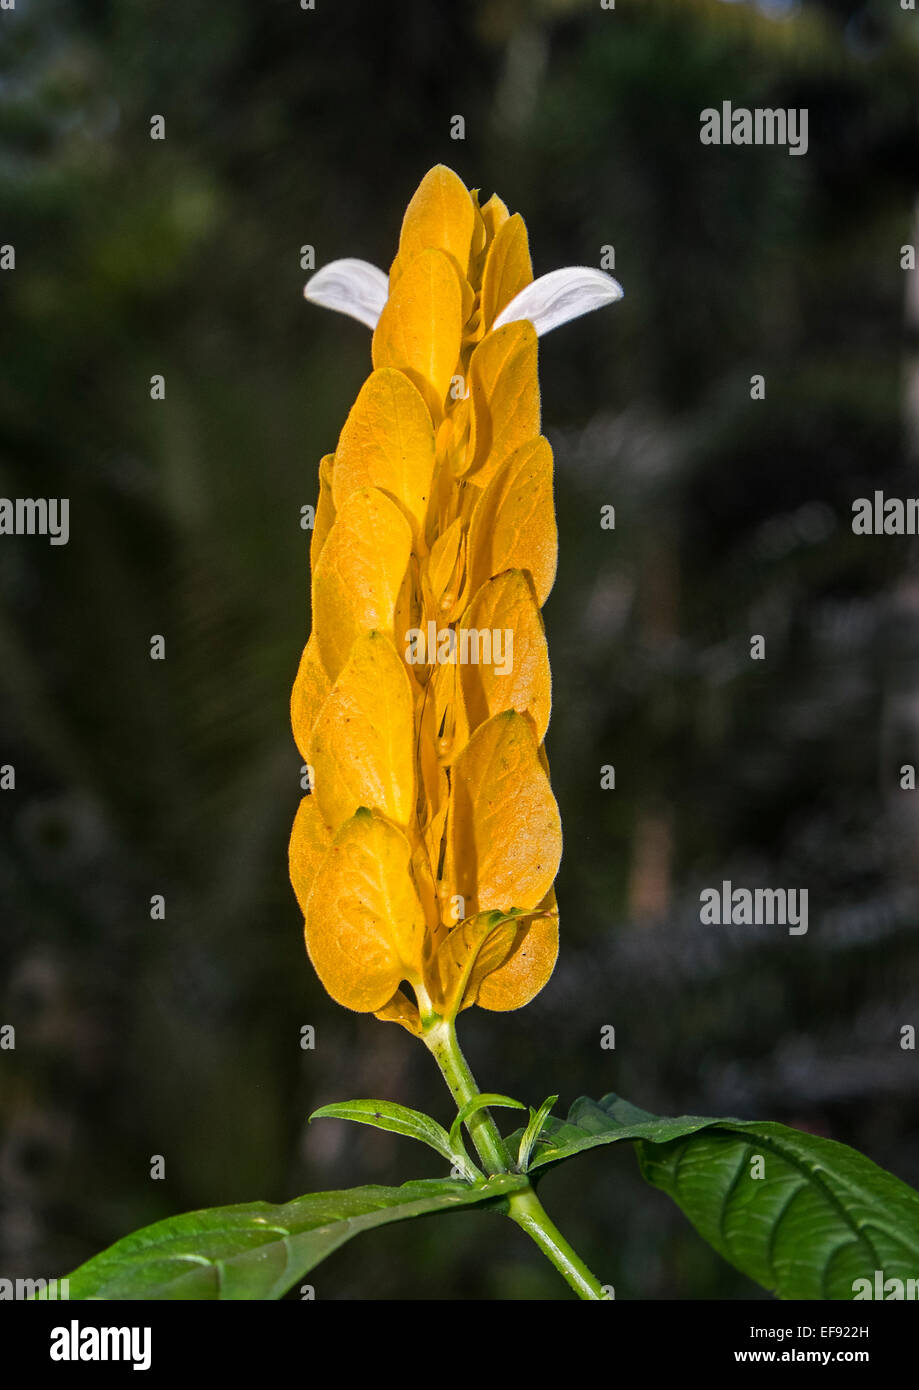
591 1123
414 1124
259 1251
480 1102
533 1131
820 1216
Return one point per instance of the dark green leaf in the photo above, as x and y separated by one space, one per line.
259 1251
591 1123
820 1217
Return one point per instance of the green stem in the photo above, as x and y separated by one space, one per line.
524 1206
531 1216
442 1043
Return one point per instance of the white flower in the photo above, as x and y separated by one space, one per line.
560 296
361 290
352 287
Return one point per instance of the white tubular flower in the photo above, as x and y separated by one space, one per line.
352 287
560 296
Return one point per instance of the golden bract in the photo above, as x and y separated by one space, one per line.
425 856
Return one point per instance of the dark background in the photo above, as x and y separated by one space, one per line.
286 127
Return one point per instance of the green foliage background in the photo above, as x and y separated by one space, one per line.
133 257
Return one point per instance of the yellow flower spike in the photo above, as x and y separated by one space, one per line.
425 856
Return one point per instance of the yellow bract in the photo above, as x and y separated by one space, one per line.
421 326
507 603
508 269
505 398
387 443
424 857
364 922
362 745
359 578
504 837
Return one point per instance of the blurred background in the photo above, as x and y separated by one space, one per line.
181 257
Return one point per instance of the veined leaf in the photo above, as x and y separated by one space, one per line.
399 1119
257 1250
804 1216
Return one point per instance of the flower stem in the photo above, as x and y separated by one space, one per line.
524 1207
442 1042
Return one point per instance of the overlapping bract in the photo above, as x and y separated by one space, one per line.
425 856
